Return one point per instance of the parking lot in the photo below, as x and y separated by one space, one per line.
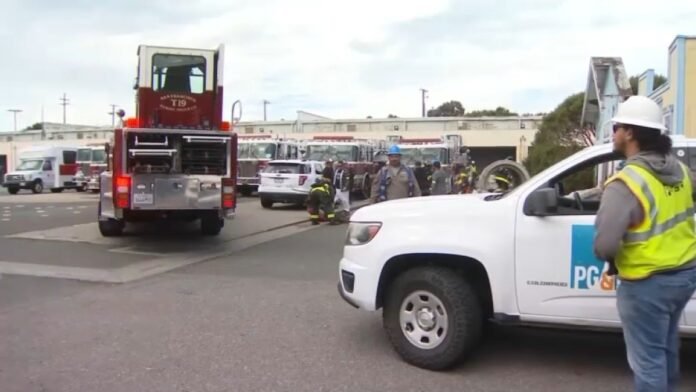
255 309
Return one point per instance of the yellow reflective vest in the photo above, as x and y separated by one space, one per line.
665 239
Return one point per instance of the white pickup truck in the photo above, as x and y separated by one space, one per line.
441 267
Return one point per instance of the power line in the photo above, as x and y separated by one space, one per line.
64 102
14 112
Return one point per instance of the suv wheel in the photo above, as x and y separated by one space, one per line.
265 203
433 317
12 190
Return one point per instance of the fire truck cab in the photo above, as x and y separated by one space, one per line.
253 154
426 150
357 153
177 157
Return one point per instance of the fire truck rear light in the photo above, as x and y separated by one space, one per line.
228 189
123 182
225 126
132 123
122 189
228 193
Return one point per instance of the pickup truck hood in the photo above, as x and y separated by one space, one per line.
22 172
427 207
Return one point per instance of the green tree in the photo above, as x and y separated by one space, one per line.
561 135
447 109
392 116
659 81
497 112
36 126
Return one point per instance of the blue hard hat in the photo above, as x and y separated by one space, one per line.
435 162
394 150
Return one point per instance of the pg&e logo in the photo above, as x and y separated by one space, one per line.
586 271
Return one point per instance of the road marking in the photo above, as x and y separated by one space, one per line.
69 208
40 211
5 220
150 267
77 212
44 216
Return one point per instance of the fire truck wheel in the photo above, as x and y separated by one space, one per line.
211 224
37 187
111 227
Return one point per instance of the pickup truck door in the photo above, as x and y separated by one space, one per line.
557 275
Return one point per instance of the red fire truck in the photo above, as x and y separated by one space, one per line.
426 150
177 158
357 153
253 154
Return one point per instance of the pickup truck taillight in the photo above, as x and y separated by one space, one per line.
122 192
302 180
228 193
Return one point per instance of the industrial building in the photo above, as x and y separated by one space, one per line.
489 138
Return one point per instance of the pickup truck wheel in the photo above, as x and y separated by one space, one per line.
12 190
211 225
265 203
433 317
37 187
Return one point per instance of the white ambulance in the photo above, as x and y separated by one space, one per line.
44 167
442 266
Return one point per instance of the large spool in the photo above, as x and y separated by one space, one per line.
510 169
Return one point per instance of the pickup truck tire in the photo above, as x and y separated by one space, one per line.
12 190
211 225
432 317
265 203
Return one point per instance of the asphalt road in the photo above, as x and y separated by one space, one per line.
267 318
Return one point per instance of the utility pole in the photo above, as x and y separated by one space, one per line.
64 102
14 112
423 97
113 114
265 102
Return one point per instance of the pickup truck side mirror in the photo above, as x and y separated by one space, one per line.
541 202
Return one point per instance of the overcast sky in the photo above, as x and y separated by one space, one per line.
338 59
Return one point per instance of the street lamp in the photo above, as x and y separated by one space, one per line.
15 111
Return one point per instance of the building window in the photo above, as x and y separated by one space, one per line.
396 127
351 128
248 129
80 135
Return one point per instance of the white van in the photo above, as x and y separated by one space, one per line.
44 167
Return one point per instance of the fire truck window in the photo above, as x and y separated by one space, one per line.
98 156
84 154
178 73
69 157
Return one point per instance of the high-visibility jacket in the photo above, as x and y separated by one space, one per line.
665 239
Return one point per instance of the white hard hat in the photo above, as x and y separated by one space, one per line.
640 111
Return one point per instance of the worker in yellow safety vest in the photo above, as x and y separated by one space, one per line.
645 231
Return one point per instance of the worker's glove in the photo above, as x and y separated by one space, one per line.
612 268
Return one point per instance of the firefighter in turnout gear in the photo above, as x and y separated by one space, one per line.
321 199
